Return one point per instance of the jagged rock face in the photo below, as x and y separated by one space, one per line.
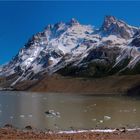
114 26
97 63
136 40
80 49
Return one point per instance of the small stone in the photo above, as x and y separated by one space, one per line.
107 118
28 127
52 113
123 129
117 129
101 121
8 125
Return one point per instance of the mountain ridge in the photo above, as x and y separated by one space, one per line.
72 49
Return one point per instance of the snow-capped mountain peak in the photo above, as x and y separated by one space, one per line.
69 45
114 26
74 21
108 21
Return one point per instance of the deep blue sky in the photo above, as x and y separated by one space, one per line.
20 20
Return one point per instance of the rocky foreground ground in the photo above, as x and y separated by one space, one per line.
7 133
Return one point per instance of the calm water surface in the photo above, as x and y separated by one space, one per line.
69 111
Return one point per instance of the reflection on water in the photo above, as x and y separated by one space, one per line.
68 111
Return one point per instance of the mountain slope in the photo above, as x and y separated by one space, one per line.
72 49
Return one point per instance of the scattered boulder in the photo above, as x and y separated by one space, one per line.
107 118
52 113
122 129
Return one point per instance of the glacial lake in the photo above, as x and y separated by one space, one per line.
59 111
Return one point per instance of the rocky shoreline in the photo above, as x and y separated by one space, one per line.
112 85
9 132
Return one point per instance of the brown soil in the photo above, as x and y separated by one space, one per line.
8 133
107 85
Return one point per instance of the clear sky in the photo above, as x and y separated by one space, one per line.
20 20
